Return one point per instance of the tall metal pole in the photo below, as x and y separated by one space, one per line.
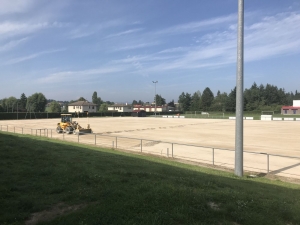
239 92
155 82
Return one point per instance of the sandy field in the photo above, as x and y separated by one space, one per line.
210 141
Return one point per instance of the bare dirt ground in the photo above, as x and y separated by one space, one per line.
182 138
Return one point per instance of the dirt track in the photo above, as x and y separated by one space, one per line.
271 137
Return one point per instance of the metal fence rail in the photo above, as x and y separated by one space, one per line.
253 161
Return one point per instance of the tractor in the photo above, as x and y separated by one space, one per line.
68 126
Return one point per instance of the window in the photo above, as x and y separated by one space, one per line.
285 111
295 111
93 107
73 107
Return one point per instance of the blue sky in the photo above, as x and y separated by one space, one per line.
68 49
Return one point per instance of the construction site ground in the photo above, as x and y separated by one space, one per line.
209 141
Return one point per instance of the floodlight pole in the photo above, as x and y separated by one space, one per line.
239 93
155 82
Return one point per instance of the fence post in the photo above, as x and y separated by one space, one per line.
141 145
51 133
213 156
14 129
113 144
22 130
78 137
116 142
7 128
63 135
268 163
172 150
36 132
1 127
95 138
168 152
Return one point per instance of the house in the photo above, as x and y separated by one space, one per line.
82 106
291 110
151 108
120 108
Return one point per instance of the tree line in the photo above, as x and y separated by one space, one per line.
256 98
34 103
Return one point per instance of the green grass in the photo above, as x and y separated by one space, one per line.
219 115
111 187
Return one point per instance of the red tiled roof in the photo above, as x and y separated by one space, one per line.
290 107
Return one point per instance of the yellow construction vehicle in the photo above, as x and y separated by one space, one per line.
68 126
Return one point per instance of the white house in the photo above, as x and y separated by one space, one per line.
82 106
120 108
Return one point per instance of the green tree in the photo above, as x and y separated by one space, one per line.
171 103
109 103
231 101
22 102
81 99
36 103
54 107
196 101
134 102
103 107
206 99
185 100
159 100
10 104
219 102
96 100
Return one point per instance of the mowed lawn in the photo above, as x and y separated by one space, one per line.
45 181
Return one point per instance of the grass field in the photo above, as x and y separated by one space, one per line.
53 182
220 115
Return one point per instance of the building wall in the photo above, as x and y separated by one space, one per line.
296 103
82 108
152 108
120 108
290 111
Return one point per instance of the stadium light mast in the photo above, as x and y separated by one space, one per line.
239 128
155 82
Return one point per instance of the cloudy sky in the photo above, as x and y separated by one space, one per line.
70 48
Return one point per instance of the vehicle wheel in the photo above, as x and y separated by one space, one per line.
74 132
69 130
58 129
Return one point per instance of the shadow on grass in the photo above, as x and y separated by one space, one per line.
38 174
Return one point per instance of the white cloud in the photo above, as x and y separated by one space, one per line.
266 38
136 46
124 33
12 44
32 56
14 6
85 75
197 26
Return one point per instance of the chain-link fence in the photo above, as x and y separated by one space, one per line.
253 161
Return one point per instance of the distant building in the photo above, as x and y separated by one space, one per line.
151 108
120 108
138 113
82 106
291 110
